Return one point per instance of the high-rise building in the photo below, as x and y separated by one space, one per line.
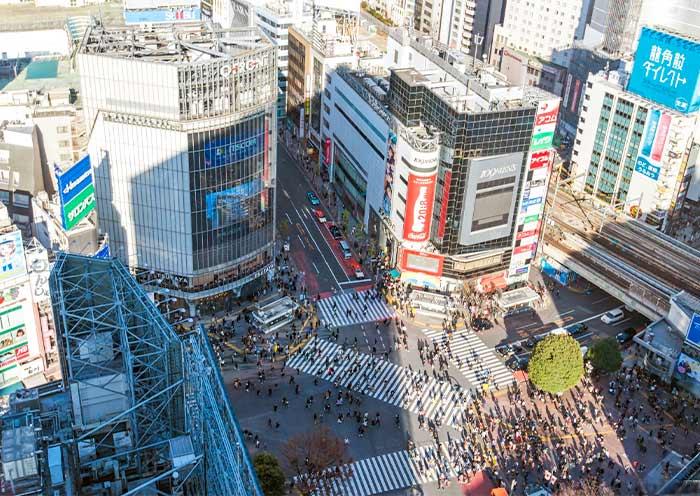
621 21
634 147
182 145
448 171
542 28
463 25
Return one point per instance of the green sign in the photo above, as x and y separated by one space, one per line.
79 207
542 141
531 218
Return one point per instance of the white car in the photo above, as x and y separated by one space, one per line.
359 274
613 316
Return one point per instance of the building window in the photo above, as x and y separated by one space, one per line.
64 143
20 200
62 129
4 197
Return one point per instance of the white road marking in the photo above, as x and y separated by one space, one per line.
355 281
317 247
315 268
301 241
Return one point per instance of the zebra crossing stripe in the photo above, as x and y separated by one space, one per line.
376 309
379 379
465 347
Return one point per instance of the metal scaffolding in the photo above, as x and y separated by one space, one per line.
150 414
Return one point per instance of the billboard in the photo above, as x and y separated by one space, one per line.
389 170
232 205
693 334
155 16
39 269
667 70
545 125
653 142
12 261
447 180
427 263
420 197
224 152
76 193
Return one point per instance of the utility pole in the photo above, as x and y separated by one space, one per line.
478 40
547 214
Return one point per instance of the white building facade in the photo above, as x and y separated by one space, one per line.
183 153
615 128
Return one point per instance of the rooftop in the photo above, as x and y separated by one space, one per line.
179 44
44 74
27 17
662 336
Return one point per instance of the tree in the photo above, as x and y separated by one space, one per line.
316 458
269 473
605 355
556 364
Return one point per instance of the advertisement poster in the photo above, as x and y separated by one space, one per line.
419 207
76 193
427 263
653 142
443 204
688 367
693 334
154 16
12 261
389 170
667 70
39 270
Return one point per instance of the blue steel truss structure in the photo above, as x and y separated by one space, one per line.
149 409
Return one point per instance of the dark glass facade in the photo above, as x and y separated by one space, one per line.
471 135
232 208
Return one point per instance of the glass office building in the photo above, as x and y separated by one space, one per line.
183 152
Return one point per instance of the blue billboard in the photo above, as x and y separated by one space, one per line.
154 16
667 70
230 206
694 330
76 193
224 151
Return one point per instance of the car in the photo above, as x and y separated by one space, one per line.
576 329
335 231
359 274
320 215
529 343
313 199
613 316
480 324
517 348
516 363
625 336
505 350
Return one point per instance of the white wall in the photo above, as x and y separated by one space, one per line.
18 44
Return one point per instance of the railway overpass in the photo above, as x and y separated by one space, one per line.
629 259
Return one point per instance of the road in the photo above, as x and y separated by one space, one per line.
311 248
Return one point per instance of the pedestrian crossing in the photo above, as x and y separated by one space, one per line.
402 387
353 307
391 472
476 361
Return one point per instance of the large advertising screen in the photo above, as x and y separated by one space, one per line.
12 261
667 70
155 16
232 205
420 197
427 263
653 142
76 193
227 149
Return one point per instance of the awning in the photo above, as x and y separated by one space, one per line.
394 273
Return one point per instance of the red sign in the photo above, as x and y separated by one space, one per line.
443 206
539 159
327 151
527 234
418 261
524 249
549 113
419 207
14 355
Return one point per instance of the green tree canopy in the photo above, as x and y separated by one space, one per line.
556 364
269 473
605 355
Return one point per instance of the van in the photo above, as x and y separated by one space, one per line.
613 316
345 248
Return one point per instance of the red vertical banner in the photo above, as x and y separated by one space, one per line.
327 151
443 206
419 207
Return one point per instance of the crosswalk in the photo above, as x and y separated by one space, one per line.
391 472
402 387
476 361
353 307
